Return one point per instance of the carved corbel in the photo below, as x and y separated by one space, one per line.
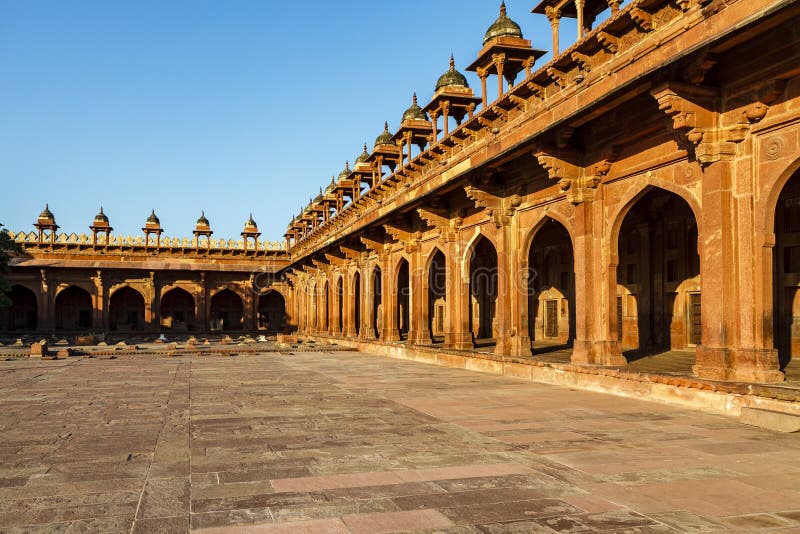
537 90
321 265
559 166
483 121
501 209
520 102
582 60
642 18
558 76
695 73
446 224
602 168
336 261
695 119
608 41
397 232
767 95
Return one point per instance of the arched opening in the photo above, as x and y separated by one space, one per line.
377 300
403 299
272 312
658 277
551 288
786 276
177 310
340 306
126 310
22 314
227 311
357 303
73 309
483 292
437 297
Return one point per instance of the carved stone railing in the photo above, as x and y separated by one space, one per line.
86 241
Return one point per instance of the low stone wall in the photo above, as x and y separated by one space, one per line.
727 398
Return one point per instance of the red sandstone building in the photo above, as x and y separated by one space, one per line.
638 193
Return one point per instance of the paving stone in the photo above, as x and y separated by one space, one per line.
270 443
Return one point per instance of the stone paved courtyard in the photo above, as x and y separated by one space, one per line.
348 442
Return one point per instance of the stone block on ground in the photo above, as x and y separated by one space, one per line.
778 421
38 349
287 339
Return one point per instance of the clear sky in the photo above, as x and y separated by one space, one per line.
230 107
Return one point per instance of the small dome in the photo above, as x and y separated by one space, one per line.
47 216
414 113
346 171
451 78
364 156
250 225
331 187
502 27
202 221
152 218
385 138
101 217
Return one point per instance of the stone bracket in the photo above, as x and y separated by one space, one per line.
693 110
442 221
501 209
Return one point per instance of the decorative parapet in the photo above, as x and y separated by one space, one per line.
82 240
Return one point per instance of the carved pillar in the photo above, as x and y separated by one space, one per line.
151 304
333 305
367 295
391 330
100 317
350 304
46 320
418 280
554 16
595 291
518 341
722 354
457 334
202 305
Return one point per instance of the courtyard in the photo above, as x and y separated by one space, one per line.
353 442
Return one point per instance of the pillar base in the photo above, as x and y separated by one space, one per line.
421 338
520 346
738 365
458 341
597 353
390 335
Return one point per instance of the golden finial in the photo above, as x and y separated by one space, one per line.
452 62
503 8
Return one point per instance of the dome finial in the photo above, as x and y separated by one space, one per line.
385 126
414 99
365 147
452 61
503 8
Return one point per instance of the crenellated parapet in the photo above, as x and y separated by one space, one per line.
64 239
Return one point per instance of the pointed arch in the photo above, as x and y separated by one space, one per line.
73 309
226 311
22 315
272 312
126 308
656 247
639 190
178 309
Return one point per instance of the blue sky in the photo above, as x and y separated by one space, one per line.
229 107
